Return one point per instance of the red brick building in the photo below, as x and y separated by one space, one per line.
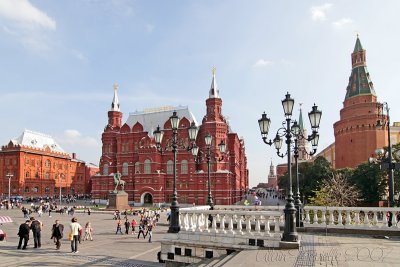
40 166
130 149
356 134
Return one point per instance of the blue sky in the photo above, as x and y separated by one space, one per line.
60 59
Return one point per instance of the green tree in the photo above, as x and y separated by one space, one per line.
336 191
370 180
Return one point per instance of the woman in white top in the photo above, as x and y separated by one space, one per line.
75 228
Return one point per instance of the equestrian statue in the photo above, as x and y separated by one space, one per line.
118 181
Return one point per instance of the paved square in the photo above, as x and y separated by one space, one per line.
107 248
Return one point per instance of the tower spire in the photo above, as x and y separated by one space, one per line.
115 103
359 82
301 123
214 92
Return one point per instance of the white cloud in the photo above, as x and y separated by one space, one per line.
149 28
263 63
72 137
339 24
318 13
27 24
25 14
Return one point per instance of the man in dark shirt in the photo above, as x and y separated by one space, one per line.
36 227
23 234
57 233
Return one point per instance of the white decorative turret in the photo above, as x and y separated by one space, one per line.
115 103
214 92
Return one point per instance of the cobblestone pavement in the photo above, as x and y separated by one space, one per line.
107 248
327 250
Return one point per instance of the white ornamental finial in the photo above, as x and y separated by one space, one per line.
115 103
214 92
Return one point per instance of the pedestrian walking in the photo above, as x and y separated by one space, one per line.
150 231
36 227
133 224
88 211
88 232
23 234
74 234
127 225
141 230
57 233
119 223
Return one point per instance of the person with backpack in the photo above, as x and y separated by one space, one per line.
36 227
57 233
75 227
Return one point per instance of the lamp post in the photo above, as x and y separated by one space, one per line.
389 165
313 138
9 176
158 136
195 151
59 178
290 233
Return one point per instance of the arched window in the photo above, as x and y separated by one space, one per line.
184 166
46 175
47 190
147 166
105 169
26 189
47 163
137 167
170 167
35 189
27 175
125 168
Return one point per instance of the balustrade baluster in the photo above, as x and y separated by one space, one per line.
323 218
394 222
385 219
348 217
276 221
366 219
375 219
357 217
231 231
266 225
198 224
331 218
257 226
206 222
214 224
340 218
239 225
315 219
307 216
248 224
222 224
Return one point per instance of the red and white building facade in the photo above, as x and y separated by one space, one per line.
39 167
129 148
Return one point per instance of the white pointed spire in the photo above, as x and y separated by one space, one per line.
115 103
214 92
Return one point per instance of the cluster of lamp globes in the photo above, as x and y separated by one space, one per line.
288 103
192 130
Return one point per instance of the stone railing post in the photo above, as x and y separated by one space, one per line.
315 219
307 220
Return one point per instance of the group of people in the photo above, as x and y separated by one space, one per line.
57 232
148 220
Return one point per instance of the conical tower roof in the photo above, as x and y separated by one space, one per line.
115 102
214 92
359 81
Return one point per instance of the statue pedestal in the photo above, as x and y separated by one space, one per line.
118 200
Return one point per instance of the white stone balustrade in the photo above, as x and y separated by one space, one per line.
367 218
231 225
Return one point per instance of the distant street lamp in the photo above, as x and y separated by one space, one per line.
59 178
290 233
9 176
195 151
158 136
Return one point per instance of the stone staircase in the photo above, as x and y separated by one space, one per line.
215 262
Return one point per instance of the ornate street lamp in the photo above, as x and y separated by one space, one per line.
9 176
315 118
288 131
195 151
158 136
389 165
